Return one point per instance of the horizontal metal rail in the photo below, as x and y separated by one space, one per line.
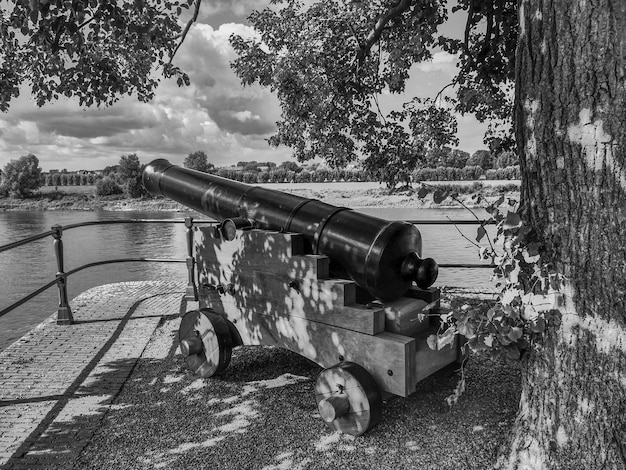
451 222
35 293
62 276
135 221
24 241
124 260
466 265
25 299
39 236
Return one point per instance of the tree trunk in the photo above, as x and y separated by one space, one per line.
571 131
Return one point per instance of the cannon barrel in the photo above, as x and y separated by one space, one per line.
380 256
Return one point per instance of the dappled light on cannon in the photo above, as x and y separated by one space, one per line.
348 291
382 257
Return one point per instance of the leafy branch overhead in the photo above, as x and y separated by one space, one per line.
332 63
94 50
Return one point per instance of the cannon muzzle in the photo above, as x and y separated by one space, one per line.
380 256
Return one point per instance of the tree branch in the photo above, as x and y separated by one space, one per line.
438 95
186 30
468 27
381 23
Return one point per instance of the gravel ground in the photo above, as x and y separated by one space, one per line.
261 414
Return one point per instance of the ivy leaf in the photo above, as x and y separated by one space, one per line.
516 333
481 233
512 221
491 210
512 352
446 338
553 317
466 328
439 196
533 249
508 296
539 326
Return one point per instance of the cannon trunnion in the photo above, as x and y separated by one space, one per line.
333 285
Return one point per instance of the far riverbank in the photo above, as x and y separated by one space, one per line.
332 193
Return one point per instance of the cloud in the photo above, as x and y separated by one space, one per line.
215 114
244 116
442 61
217 12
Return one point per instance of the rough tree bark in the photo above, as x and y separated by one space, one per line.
571 132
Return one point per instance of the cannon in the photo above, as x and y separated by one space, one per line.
349 291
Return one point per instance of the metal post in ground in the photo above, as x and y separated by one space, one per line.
192 290
64 313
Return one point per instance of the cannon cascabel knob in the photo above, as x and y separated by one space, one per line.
423 271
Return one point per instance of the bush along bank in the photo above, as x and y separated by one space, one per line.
409 197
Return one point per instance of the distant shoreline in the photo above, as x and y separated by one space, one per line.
66 199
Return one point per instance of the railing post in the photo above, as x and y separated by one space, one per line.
192 290
64 313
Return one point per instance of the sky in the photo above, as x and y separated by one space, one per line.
216 114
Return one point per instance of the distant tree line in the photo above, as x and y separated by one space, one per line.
444 164
69 179
21 177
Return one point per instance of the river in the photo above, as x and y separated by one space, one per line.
24 269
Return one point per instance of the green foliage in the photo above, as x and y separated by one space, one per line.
108 170
21 177
107 186
198 161
481 158
467 173
249 177
330 62
485 82
94 50
291 166
529 291
508 173
129 175
321 64
506 159
456 158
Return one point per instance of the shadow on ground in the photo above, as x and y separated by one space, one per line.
261 414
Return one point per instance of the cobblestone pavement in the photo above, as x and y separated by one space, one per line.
58 381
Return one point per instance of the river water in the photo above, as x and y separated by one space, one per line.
24 269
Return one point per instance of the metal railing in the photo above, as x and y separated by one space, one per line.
64 312
458 222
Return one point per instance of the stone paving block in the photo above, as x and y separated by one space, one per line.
59 381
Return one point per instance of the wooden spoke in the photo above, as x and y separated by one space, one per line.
348 398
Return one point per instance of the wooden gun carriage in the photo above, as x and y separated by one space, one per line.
346 290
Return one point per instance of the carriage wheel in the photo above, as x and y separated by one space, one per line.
348 398
205 341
